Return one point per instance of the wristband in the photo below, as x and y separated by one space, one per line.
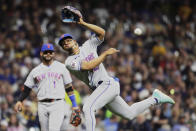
73 100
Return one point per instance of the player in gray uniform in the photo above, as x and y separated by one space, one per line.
84 63
51 79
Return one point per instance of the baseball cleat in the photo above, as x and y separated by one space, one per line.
161 97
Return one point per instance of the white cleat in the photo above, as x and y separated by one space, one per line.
162 98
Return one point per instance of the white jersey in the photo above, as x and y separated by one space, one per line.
88 51
49 80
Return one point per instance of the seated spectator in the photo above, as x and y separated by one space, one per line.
111 124
14 124
3 125
141 124
181 125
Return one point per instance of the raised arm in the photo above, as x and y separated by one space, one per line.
98 30
72 15
89 65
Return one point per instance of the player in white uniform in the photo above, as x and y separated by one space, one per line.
51 79
86 65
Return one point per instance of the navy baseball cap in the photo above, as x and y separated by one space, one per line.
46 47
64 36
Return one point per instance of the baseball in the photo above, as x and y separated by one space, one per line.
172 91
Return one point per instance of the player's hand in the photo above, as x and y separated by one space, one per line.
18 106
111 51
81 21
71 15
75 119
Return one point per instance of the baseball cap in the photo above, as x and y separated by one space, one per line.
46 47
64 36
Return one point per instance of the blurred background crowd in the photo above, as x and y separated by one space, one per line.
157 42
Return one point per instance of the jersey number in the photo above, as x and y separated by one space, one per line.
54 84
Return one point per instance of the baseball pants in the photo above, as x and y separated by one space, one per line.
108 94
51 115
66 126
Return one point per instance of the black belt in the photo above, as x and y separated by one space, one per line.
98 84
49 100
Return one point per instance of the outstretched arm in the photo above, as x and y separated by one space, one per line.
69 10
89 65
98 30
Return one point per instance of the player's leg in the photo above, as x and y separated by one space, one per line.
66 126
99 98
120 107
43 116
56 115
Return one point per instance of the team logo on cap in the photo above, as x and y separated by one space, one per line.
48 46
62 36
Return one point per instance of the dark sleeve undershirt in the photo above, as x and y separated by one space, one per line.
24 93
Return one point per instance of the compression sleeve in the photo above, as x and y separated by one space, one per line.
73 100
24 93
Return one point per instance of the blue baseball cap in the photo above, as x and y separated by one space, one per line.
46 47
64 36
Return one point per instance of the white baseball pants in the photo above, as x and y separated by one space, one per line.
51 115
107 94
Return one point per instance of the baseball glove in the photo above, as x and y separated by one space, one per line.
75 118
70 14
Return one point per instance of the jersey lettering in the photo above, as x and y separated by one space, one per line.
91 57
49 74
43 76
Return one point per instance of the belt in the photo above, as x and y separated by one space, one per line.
99 82
49 100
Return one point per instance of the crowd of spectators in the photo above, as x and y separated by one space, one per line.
157 42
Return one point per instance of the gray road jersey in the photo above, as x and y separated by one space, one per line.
88 51
49 80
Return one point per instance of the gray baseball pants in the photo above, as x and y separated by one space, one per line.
107 94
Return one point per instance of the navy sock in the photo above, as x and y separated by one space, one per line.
156 100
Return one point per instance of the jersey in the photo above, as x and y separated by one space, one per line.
88 51
49 80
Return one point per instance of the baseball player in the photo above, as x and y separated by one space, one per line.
51 79
84 63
